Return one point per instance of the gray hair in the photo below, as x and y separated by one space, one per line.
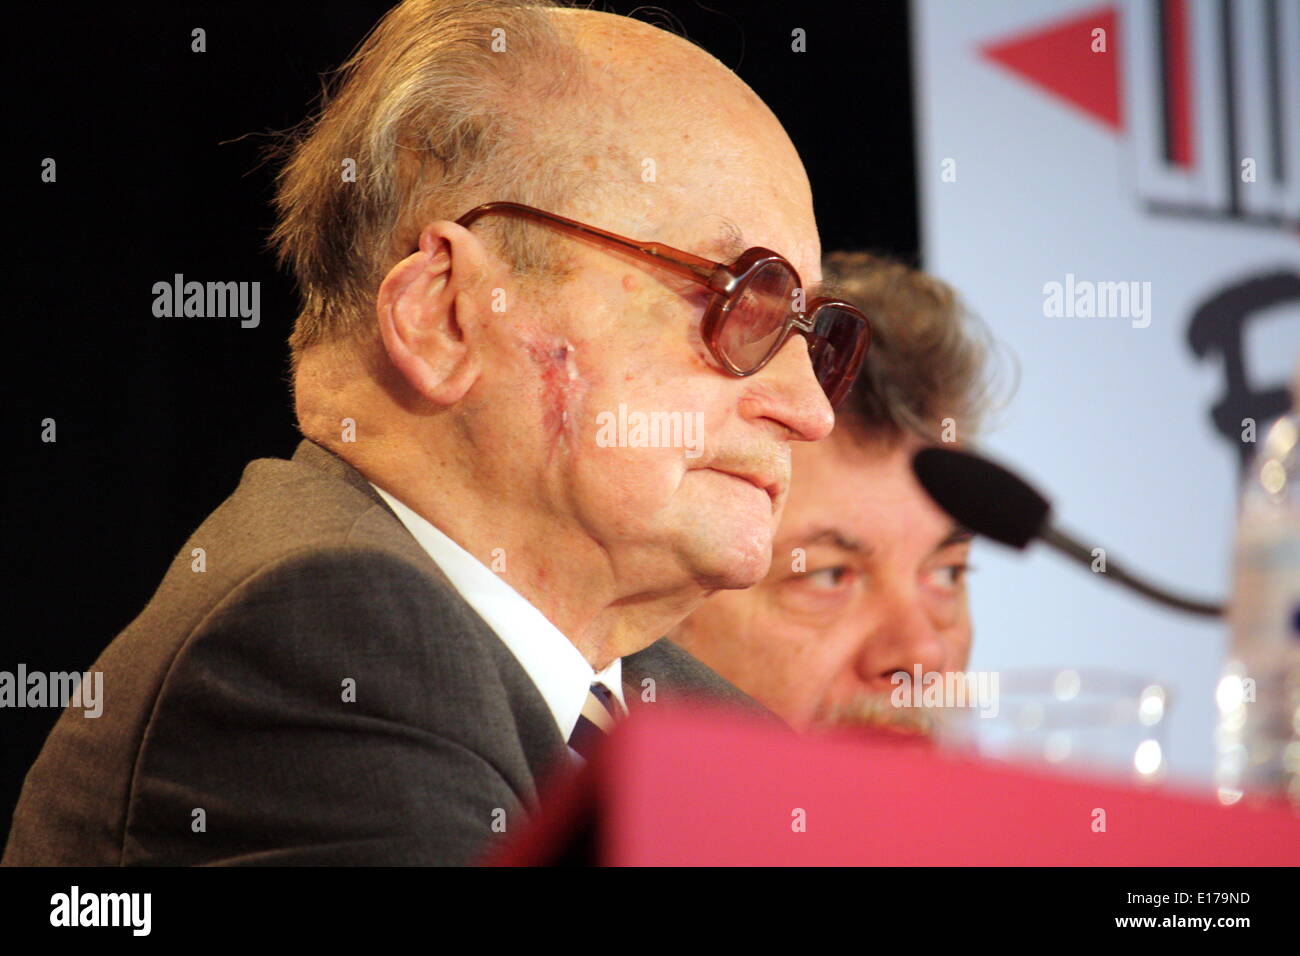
445 105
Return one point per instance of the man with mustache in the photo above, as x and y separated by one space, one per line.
868 576
455 585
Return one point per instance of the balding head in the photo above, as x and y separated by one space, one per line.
500 396
450 104
681 126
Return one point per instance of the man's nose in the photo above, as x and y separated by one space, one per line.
790 394
902 638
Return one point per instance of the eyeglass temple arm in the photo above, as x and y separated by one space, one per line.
683 263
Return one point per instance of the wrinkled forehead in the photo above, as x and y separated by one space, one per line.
722 238
700 156
726 190
744 185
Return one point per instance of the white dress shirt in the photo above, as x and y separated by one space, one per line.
559 670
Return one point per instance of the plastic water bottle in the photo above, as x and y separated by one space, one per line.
1258 735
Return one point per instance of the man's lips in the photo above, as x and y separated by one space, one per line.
768 485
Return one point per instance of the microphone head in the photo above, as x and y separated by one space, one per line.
982 496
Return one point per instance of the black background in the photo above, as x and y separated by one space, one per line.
159 155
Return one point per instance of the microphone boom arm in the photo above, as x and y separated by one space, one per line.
1071 548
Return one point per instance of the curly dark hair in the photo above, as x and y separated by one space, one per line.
928 356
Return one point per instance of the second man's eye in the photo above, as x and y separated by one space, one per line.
827 578
949 577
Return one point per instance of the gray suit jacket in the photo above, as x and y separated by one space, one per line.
225 737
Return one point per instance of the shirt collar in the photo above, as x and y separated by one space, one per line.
558 669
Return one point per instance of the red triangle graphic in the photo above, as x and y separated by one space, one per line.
1059 59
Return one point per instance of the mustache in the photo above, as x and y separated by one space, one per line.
876 710
770 463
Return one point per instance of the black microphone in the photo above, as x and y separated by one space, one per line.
991 501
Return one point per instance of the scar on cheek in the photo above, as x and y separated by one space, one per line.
557 368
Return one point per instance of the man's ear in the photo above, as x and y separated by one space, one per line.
428 312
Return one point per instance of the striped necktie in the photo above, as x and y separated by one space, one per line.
599 714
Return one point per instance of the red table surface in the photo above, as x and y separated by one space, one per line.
705 787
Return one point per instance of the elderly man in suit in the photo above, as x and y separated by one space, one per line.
512 225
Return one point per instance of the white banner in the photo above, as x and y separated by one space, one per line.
1115 190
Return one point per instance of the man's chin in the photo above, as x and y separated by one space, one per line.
731 568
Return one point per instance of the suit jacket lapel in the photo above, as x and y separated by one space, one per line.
538 734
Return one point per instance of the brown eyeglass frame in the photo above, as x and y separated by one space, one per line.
724 280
